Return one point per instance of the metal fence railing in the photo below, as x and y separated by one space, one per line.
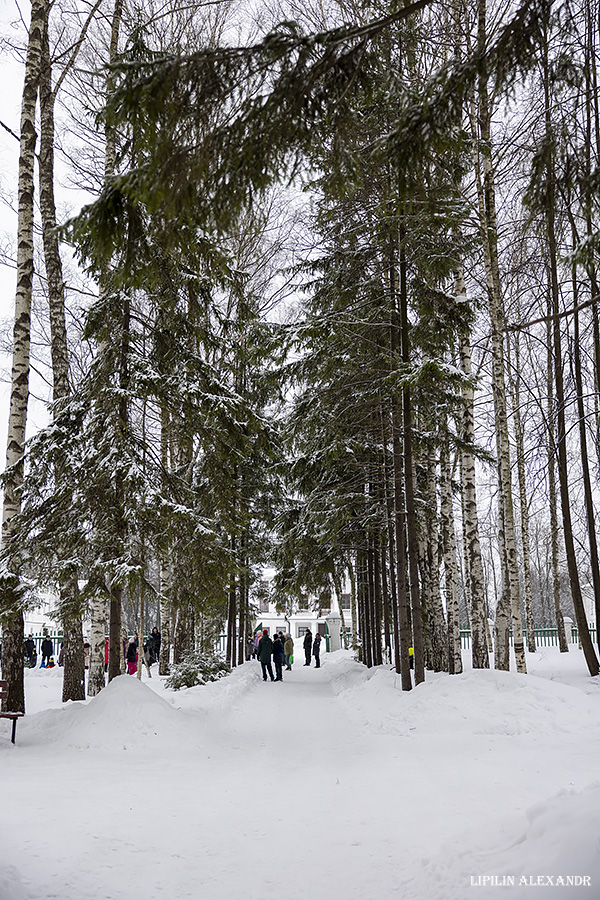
544 637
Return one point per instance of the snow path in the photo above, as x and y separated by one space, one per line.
263 791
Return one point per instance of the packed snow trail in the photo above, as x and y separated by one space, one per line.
331 784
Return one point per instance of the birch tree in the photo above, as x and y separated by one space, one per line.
10 585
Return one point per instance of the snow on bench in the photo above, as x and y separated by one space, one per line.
9 715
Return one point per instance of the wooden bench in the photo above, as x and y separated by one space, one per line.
9 715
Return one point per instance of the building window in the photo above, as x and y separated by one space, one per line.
346 601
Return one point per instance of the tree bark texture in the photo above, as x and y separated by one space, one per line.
449 552
514 377
489 231
10 609
561 438
98 615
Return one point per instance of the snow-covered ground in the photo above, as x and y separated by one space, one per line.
331 784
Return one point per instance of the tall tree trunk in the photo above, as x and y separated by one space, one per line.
365 600
163 554
449 551
552 496
502 623
387 636
166 630
115 647
69 609
399 531
96 675
353 602
115 650
10 605
514 378
243 606
592 140
582 625
585 465
409 481
439 635
230 649
479 645
489 231
74 660
143 658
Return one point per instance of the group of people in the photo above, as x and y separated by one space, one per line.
47 651
130 652
281 650
151 648
312 646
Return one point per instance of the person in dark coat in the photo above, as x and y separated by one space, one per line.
47 650
132 657
316 650
265 652
30 651
278 657
155 646
307 646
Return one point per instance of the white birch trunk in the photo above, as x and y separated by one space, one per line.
516 394
502 624
489 232
99 616
432 562
450 567
479 645
12 617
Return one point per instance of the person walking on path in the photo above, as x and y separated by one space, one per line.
278 655
265 652
307 646
47 651
288 649
316 650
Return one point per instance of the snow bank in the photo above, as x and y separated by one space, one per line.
11 886
486 702
125 715
215 696
558 842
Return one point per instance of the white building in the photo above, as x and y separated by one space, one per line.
328 623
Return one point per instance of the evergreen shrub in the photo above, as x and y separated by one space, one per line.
197 667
